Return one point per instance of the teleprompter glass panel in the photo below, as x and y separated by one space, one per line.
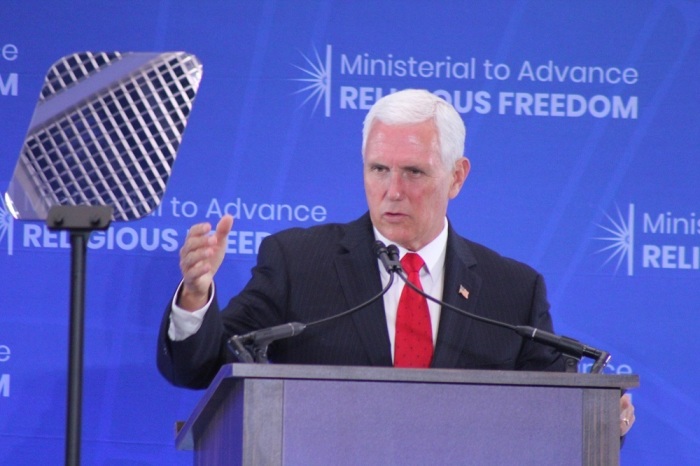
105 131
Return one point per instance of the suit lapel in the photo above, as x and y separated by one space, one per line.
358 275
454 327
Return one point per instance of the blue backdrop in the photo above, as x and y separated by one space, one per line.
583 133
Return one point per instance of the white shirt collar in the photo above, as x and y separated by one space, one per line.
433 253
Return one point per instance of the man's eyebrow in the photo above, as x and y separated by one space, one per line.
412 168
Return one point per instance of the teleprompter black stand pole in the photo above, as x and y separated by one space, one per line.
79 221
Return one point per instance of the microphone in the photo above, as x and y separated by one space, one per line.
389 259
252 347
259 340
394 255
567 346
267 335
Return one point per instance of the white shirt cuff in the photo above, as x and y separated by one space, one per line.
184 324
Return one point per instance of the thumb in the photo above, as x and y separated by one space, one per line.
223 228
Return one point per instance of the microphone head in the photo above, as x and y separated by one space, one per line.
379 248
393 252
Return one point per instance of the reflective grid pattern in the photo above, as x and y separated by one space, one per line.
72 69
116 148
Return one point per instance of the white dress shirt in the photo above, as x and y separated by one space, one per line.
431 277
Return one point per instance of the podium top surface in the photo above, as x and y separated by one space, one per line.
391 374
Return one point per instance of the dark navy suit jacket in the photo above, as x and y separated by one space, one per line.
306 274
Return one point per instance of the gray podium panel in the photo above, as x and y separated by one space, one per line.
308 415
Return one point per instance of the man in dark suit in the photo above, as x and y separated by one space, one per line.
413 162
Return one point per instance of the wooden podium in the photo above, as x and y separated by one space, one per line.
257 414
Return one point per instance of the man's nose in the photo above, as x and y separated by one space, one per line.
395 190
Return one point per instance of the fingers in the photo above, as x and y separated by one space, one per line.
200 258
627 417
195 264
195 246
195 257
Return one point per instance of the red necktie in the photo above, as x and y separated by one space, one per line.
413 346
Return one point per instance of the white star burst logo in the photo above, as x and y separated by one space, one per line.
6 225
621 239
318 80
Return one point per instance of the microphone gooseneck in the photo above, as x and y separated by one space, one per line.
356 308
566 345
253 346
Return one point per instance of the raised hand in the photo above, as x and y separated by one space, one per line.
200 258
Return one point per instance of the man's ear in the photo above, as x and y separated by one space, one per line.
459 176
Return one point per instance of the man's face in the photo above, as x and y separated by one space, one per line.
406 184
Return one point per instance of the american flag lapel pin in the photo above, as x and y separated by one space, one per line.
463 292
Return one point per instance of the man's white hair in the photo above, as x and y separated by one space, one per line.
412 106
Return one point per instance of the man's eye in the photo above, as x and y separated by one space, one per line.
379 169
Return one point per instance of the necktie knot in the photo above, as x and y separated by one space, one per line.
412 263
